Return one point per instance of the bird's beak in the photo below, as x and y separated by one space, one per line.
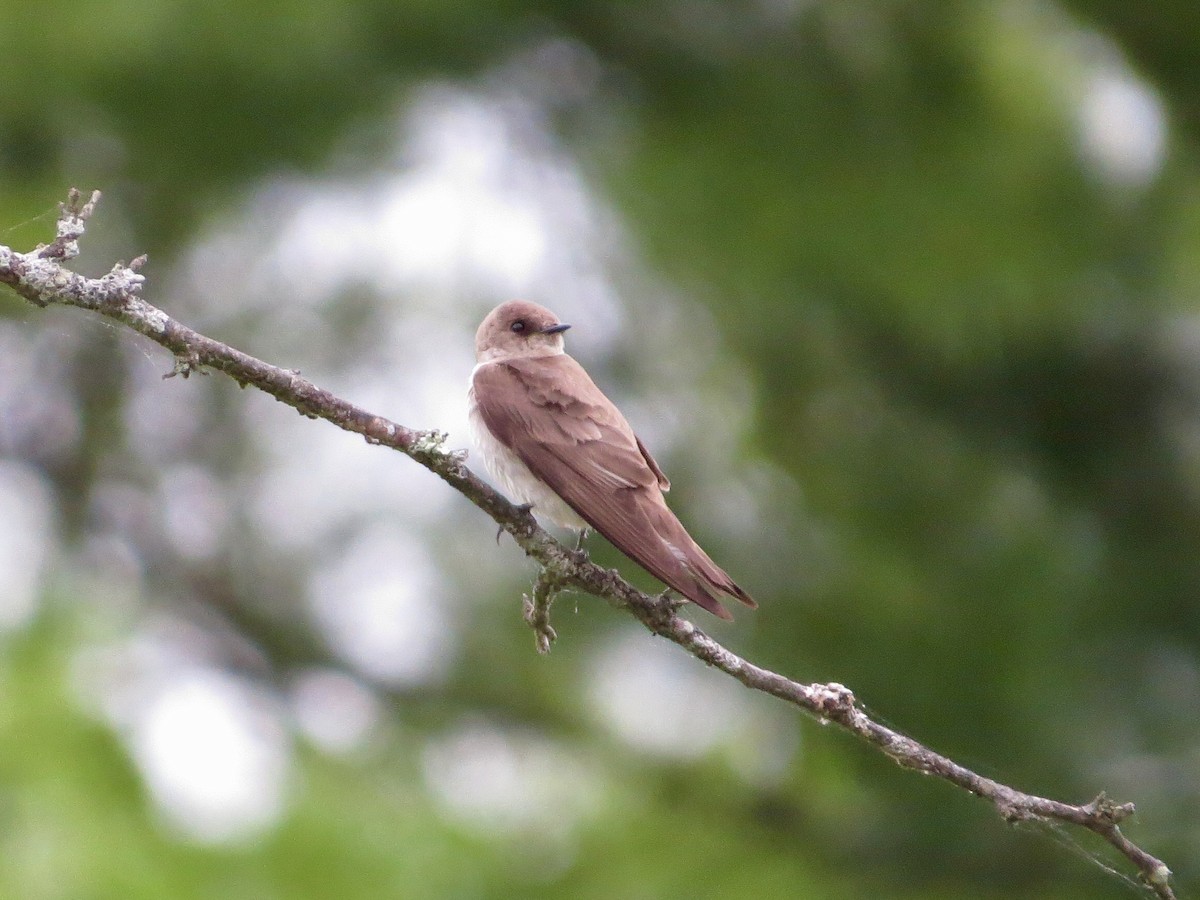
555 329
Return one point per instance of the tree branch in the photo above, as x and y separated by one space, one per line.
40 277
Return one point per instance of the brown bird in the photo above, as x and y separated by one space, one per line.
552 440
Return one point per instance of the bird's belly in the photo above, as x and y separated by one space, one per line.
513 477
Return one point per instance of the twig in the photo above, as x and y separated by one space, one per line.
536 609
40 278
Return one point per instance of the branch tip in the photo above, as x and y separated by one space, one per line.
1108 812
535 609
1158 878
74 208
71 223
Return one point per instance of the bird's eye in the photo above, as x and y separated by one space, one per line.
518 326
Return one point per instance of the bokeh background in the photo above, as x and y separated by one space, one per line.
902 294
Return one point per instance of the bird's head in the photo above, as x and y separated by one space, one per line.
519 328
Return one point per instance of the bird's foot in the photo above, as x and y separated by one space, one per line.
579 554
670 602
521 508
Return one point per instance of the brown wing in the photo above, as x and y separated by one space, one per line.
550 413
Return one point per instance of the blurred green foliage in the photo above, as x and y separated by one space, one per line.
968 346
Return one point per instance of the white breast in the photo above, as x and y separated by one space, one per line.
512 476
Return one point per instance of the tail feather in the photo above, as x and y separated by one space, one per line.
695 575
702 597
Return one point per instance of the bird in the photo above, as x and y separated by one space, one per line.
554 443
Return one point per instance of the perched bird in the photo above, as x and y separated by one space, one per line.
552 440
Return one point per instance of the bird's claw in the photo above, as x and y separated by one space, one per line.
670 601
521 508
